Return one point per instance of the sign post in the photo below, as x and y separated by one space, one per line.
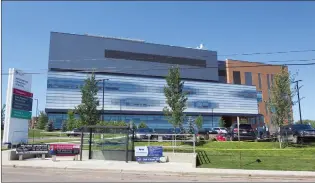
19 104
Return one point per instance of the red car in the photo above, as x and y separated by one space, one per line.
221 137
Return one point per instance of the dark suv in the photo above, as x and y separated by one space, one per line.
298 133
246 132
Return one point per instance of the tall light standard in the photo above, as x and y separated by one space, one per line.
298 94
103 80
36 114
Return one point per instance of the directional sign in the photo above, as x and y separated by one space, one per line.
22 93
21 114
22 103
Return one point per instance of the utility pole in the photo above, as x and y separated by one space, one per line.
298 94
103 96
33 125
212 117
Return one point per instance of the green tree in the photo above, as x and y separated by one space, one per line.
280 99
102 123
42 120
64 126
50 126
87 110
199 122
142 125
176 98
222 122
2 116
122 123
71 121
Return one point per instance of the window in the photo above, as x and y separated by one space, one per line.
248 79
154 58
222 73
271 79
268 81
259 80
237 77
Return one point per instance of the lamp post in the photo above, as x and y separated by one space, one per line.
36 114
298 94
212 117
103 80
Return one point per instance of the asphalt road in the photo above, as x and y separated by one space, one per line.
10 174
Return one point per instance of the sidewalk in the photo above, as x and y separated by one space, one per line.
152 168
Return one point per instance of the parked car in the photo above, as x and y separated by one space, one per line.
164 133
145 133
298 133
75 132
221 137
203 134
220 129
246 132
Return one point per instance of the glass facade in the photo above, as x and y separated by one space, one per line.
153 121
134 95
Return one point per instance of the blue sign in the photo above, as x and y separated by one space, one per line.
148 159
148 153
155 151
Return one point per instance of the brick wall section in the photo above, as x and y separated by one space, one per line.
254 68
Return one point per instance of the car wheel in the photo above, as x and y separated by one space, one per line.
299 140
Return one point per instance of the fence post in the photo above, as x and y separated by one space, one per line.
194 143
90 144
127 146
82 134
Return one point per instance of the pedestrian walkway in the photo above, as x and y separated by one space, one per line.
160 168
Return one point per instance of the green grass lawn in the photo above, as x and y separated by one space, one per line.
281 159
42 133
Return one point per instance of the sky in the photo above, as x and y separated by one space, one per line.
225 27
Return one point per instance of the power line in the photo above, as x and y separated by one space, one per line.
268 53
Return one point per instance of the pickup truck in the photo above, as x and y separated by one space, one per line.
75 133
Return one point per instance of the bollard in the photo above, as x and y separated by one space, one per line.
43 156
20 157
53 158
75 158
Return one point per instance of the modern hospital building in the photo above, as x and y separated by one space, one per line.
135 77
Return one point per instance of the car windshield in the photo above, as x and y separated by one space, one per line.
145 130
302 127
222 128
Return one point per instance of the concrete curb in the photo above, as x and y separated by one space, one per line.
243 173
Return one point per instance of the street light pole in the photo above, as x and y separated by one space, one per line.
103 80
36 119
212 117
103 99
298 94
